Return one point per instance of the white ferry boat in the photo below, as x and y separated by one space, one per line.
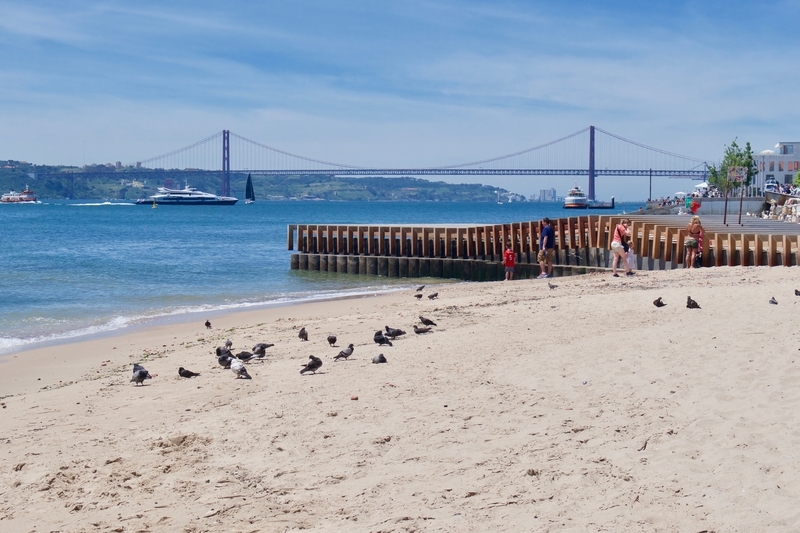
25 196
575 199
186 196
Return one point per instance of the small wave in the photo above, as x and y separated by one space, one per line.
12 344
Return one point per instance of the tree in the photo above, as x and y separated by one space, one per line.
734 156
797 179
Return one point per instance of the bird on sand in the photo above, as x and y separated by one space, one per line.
773 301
379 359
332 340
222 350
182 372
691 304
344 354
314 363
228 344
237 367
658 303
419 289
208 324
418 331
381 339
796 292
303 334
552 286
260 349
426 321
418 296
140 374
433 296
392 333
244 356
225 359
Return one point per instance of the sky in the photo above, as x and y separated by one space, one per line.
396 84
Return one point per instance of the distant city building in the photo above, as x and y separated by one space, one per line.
781 164
138 164
118 165
547 195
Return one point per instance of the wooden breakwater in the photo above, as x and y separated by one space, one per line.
582 244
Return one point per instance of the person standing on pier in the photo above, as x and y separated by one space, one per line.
547 241
508 261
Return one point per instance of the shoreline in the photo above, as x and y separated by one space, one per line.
577 407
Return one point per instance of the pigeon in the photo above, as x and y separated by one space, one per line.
773 301
332 340
426 321
228 344
421 330
244 356
140 374
419 289
237 367
208 324
379 359
344 354
380 339
552 286
796 292
303 334
418 296
182 372
393 332
658 303
224 360
691 304
313 364
260 349
222 350
433 296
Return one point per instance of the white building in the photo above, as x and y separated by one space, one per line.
781 164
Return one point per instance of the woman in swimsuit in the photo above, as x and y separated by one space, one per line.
694 234
621 232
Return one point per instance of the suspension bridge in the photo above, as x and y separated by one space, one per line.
589 152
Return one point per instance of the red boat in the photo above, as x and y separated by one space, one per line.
17 197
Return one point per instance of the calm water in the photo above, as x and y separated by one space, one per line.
74 268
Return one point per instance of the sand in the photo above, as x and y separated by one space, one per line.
579 408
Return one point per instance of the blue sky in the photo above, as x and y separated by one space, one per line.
414 83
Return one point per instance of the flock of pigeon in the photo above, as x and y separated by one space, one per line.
235 363
431 296
691 304
380 338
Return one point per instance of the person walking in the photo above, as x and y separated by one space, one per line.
547 241
508 262
619 246
694 236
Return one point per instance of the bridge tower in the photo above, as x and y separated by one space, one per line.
226 163
591 163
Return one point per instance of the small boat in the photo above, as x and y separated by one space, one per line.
25 196
575 199
186 196
249 193
592 204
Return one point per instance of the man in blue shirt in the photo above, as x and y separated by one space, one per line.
547 241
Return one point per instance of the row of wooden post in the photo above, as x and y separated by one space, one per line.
660 242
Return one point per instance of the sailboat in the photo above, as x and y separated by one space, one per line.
249 194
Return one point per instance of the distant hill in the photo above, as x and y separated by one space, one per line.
106 181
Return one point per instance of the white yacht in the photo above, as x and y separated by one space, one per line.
575 199
186 196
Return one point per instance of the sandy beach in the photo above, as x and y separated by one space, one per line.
578 408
